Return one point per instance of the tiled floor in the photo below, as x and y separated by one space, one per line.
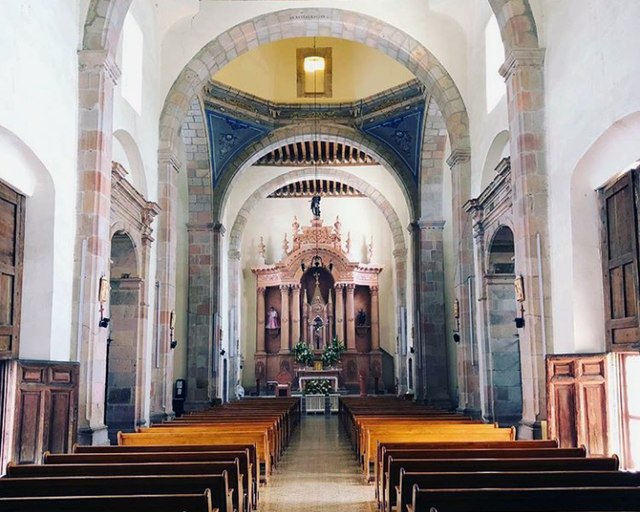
318 472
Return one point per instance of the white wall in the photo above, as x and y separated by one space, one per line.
38 116
591 77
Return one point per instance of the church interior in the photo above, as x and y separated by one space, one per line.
433 204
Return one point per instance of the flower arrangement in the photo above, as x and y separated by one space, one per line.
332 352
317 387
303 353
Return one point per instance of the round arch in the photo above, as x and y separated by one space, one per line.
517 24
235 235
307 132
310 22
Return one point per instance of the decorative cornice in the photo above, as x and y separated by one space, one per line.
219 229
522 57
99 60
167 156
200 227
458 156
431 224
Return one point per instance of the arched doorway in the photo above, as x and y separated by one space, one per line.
122 342
503 341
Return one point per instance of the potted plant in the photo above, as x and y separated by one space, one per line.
332 352
303 354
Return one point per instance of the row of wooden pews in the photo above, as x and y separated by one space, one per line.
425 474
211 460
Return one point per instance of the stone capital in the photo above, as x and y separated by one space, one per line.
522 57
458 156
234 254
400 253
91 61
351 286
168 157
219 229
431 224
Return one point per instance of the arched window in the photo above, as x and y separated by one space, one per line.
494 57
132 48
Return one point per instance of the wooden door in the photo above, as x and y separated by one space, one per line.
620 261
11 248
577 401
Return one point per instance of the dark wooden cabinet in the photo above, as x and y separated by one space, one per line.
577 401
46 409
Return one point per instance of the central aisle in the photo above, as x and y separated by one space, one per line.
318 472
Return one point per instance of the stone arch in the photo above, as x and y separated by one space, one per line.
498 150
103 24
124 254
338 23
397 230
517 24
134 164
307 132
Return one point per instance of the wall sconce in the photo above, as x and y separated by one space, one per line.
518 284
103 296
223 352
456 315
172 326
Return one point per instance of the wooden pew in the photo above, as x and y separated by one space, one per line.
383 447
583 499
514 479
276 446
259 438
466 453
119 486
476 465
223 497
157 503
454 433
250 449
239 457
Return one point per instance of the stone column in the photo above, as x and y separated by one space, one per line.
199 313
260 319
351 323
476 385
98 75
295 313
162 374
216 287
375 322
432 340
284 319
523 72
339 287
400 359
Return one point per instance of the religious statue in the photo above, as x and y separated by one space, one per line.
337 226
315 206
361 318
262 250
273 320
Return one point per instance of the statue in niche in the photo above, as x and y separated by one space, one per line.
317 326
273 320
315 206
361 318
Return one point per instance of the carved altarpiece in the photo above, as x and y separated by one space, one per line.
318 293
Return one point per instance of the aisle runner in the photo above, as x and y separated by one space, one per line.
317 473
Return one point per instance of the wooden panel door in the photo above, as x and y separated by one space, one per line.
46 409
577 401
11 248
620 261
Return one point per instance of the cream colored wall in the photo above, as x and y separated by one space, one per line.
357 71
437 31
38 149
273 217
593 104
